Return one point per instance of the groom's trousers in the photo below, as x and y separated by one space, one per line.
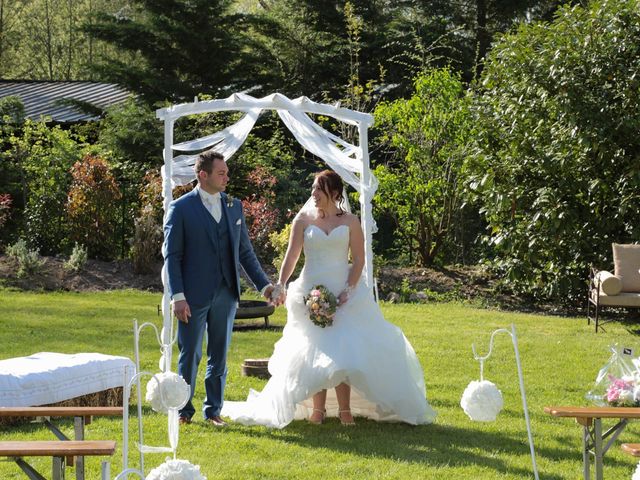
216 319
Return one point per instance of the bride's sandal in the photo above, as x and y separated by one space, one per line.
346 418
317 417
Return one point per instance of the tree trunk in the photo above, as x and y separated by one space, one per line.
482 35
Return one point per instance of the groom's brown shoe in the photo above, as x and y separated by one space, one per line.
184 420
216 421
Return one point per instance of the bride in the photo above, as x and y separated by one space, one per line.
362 365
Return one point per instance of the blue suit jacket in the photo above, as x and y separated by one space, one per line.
189 244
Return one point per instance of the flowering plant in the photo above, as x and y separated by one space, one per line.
322 306
230 200
623 392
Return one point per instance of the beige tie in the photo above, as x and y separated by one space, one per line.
216 212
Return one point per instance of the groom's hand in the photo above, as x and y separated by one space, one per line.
267 293
182 311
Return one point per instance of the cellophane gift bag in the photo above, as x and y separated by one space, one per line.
618 382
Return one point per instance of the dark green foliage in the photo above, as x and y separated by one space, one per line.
40 159
558 161
181 48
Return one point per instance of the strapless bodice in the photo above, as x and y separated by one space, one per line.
323 249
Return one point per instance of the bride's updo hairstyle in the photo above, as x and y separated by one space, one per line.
331 184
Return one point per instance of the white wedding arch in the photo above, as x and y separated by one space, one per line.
350 161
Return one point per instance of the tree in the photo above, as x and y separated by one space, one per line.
420 188
180 48
556 166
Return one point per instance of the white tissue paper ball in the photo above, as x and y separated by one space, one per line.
636 474
176 470
481 401
167 390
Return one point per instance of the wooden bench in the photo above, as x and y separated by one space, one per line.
632 449
82 416
59 451
595 441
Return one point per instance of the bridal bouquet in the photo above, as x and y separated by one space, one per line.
322 306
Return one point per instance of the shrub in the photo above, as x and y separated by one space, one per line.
92 207
77 260
5 208
557 163
280 242
29 261
147 241
260 210
36 164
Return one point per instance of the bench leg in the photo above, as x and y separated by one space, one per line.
586 457
57 472
28 470
78 427
106 470
266 322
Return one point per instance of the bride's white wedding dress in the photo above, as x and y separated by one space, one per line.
361 349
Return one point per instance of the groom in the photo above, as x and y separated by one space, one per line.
205 242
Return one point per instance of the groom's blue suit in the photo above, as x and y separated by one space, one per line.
202 259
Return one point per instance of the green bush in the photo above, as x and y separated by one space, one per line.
280 242
556 168
41 158
29 261
77 259
146 246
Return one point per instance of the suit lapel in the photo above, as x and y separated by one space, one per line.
226 213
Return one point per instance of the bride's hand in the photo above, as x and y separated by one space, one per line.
343 298
344 295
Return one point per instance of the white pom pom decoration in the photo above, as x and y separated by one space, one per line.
176 470
167 390
481 401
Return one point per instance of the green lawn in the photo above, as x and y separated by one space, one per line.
560 358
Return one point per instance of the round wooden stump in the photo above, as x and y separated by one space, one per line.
256 367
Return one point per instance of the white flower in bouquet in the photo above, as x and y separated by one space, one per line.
176 470
626 397
167 390
482 401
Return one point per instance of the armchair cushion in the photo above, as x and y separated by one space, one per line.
609 283
626 260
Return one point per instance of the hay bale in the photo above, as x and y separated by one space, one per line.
111 397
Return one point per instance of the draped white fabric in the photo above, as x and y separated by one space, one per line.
350 161
226 142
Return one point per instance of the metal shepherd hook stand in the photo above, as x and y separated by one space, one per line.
514 340
165 349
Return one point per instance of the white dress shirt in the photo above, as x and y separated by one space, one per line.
212 203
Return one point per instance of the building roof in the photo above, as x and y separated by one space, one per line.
40 98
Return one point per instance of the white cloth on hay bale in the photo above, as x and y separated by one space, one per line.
44 378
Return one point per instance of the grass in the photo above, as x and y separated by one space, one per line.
560 359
